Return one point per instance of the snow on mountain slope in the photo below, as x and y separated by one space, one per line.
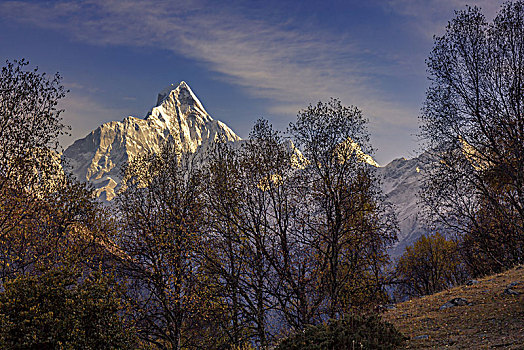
99 157
401 183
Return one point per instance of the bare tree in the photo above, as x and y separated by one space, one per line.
160 211
260 252
236 217
473 124
276 167
344 214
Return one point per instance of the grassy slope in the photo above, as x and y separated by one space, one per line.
493 320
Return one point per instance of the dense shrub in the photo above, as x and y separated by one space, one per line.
352 332
56 310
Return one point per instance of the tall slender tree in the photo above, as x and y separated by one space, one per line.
344 215
238 213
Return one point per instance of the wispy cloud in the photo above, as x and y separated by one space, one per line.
429 17
286 64
76 87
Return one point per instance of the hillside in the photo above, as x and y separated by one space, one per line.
493 317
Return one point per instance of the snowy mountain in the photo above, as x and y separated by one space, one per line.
98 158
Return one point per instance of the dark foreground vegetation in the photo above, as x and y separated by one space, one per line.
247 244
350 332
236 247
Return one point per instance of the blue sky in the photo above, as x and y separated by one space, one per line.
244 59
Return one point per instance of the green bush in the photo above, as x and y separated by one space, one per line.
353 332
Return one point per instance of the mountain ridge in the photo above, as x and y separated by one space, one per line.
402 181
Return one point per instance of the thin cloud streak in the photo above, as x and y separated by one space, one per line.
429 17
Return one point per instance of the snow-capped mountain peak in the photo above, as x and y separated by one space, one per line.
402 180
182 96
179 114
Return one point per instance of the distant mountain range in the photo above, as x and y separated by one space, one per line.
99 157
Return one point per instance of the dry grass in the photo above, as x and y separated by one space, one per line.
493 320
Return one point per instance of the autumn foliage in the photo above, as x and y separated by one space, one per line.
430 265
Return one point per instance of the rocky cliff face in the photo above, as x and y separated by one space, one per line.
179 115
